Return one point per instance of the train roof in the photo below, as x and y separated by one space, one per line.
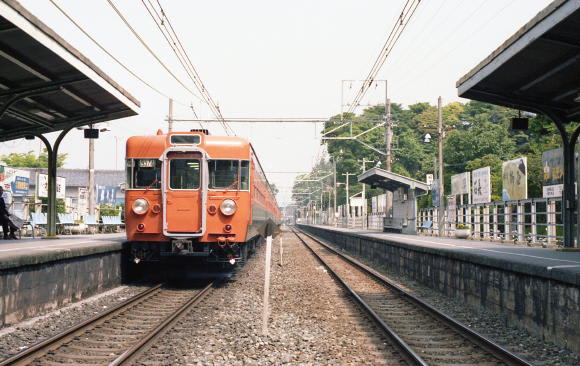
217 147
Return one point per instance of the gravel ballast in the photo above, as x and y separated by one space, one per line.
18 337
312 321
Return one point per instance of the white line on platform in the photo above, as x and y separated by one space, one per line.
49 245
487 250
563 266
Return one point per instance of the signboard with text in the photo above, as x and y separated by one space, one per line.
42 186
481 185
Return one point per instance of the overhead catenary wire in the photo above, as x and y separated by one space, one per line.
102 48
404 18
142 41
164 25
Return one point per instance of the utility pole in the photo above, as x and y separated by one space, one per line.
388 143
91 176
170 116
347 174
441 134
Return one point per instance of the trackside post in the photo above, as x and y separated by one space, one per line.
265 310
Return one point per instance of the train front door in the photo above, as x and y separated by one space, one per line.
184 193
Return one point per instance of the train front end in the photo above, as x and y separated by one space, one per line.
188 196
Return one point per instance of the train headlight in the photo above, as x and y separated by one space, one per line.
228 207
140 206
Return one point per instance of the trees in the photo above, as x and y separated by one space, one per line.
30 160
478 135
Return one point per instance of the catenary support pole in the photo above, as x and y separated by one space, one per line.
441 134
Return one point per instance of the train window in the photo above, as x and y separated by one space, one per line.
144 173
223 174
185 139
245 175
184 173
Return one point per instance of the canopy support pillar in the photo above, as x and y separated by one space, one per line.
52 166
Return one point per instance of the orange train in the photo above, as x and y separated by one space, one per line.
190 194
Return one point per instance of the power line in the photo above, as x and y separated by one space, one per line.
79 27
161 21
149 48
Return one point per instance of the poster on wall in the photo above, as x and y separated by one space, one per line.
553 169
481 185
514 175
460 183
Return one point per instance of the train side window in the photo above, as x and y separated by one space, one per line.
245 175
184 173
223 174
146 173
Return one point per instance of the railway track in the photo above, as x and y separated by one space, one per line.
117 336
422 334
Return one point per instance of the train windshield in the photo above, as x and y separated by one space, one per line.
144 173
184 173
229 174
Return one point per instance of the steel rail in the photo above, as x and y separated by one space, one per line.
487 344
55 341
404 349
130 355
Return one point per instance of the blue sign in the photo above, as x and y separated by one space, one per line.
20 185
107 194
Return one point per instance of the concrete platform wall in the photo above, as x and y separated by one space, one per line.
33 289
545 307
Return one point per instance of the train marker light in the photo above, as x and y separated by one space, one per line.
228 207
228 228
212 209
140 206
140 227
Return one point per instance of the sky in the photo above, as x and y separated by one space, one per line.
275 59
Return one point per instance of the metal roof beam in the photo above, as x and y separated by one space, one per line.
23 65
552 71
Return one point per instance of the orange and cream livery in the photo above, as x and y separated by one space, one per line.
192 194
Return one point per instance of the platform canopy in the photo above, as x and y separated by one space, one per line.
537 69
379 178
46 85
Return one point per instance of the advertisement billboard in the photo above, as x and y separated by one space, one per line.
460 183
481 185
553 168
15 181
107 194
514 175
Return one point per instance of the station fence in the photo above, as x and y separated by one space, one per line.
533 221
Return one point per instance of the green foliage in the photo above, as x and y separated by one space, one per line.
477 135
60 207
30 160
110 210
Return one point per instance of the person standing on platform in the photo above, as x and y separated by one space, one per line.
5 219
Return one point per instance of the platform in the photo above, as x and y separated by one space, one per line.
534 288
39 275
542 262
24 252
